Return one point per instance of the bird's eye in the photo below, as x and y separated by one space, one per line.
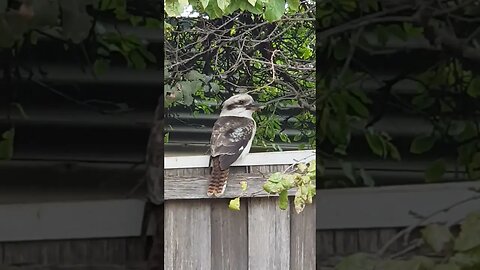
241 102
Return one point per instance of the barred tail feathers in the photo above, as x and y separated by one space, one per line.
218 179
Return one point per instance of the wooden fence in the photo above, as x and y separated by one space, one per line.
355 220
202 233
77 254
72 235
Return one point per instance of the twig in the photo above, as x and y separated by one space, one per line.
351 53
406 232
416 244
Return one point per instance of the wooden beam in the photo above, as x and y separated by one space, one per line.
390 207
252 159
195 187
71 220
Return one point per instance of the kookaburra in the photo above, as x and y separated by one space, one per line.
231 139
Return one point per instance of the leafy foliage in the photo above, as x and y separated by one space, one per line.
360 40
207 61
300 176
78 25
6 144
455 253
303 179
71 18
271 10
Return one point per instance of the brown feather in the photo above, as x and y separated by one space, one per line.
218 178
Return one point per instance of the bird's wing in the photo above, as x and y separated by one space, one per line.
229 138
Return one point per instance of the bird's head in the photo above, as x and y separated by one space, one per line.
240 105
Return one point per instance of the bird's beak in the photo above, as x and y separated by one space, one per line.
255 106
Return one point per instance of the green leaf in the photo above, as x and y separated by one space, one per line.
272 188
397 31
302 167
412 31
234 204
6 144
367 179
223 4
155 23
422 144
76 22
423 101
204 3
469 236
284 137
356 105
194 75
424 263
467 260
312 166
214 87
473 89
362 96
244 5
456 128
283 200
399 265
382 34
348 6
358 261
392 149
448 266
137 60
293 4
348 170
20 109
166 137
100 66
148 55
473 168
252 2
465 153
275 177
174 8
435 171
135 20
105 4
46 13
189 88
274 183
274 10
375 142
437 236
468 132
243 185
299 201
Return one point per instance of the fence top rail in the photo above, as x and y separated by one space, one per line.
252 159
